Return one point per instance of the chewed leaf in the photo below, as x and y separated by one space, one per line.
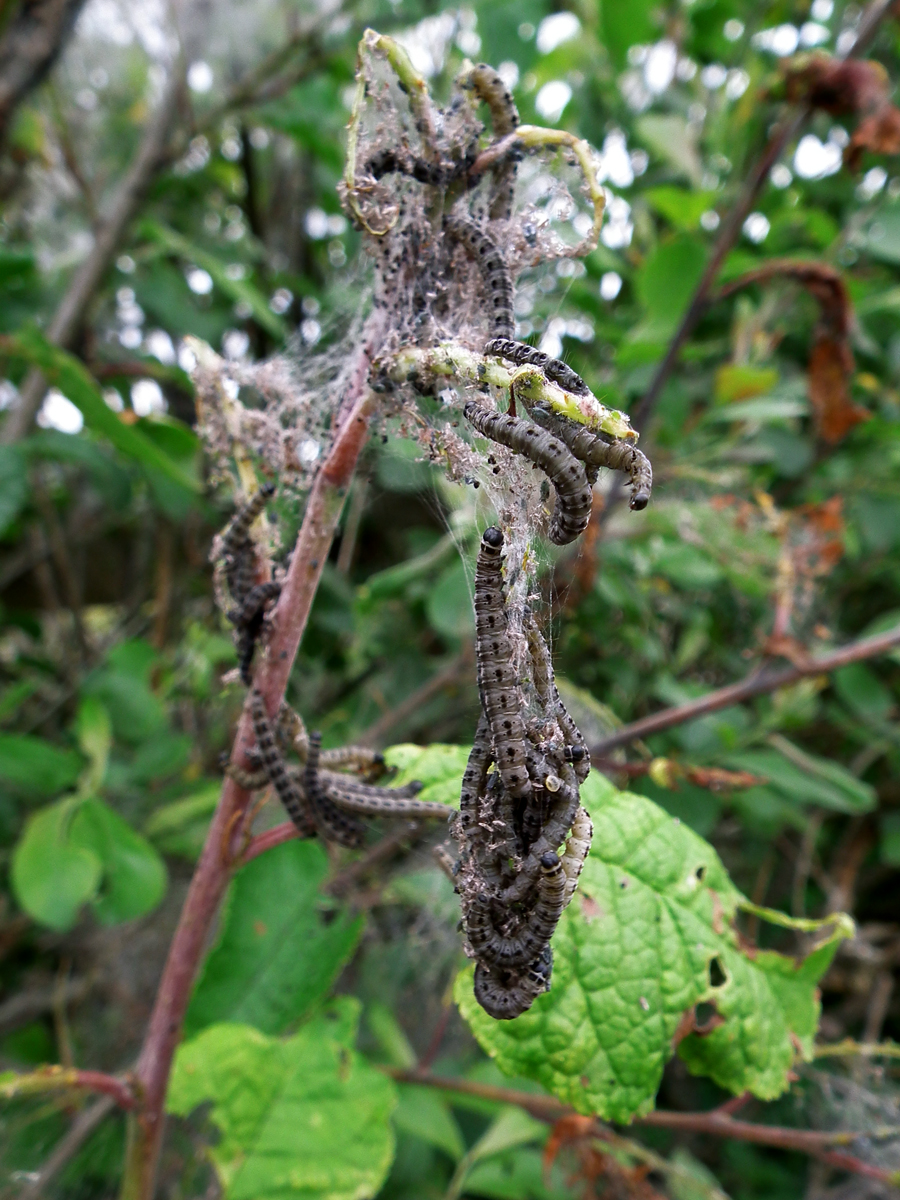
303 1116
648 937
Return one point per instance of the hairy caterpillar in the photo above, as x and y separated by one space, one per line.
497 279
332 824
561 813
361 759
576 751
553 368
577 849
505 995
248 622
497 683
573 495
276 772
377 801
489 87
593 449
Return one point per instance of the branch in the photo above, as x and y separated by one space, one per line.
29 47
286 832
64 1079
68 1146
756 685
456 669
817 1143
221 852
785 131
68 318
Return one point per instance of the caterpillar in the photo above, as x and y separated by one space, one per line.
523 355
577 849
292 731
575 751
236 534
516 950
332 824
505 995
497 684
275 770
573 495
494 271
248 622
593 450
562 809
489 87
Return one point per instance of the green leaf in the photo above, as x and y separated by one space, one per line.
51 875
672 139
679 206
863 692
633 954
424 1113
180 826
32 765
302 1117
881 237
64 371
438 767
238 290
738 381
14 489
806 778
94 730
276 957
514 1176
449 604
134 876
624 25
665 284
510 1129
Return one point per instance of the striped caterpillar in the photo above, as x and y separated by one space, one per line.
573 494
595 451
332 824
489 87
236 546
248 622
553 368
577 849
575 750
505 995
494 271
292 731
523 947
500 697
274 767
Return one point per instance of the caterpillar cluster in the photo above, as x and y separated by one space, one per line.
250 600
513 881
322 801
573 492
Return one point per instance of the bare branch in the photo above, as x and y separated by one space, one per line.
70 314
756 685
29 47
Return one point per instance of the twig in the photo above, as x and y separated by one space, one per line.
70 314
817 1143
849 1048
221 850
68 1146
781 136
457 666
286 832
756 685
64 1079
383 849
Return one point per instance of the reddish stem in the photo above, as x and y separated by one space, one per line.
266 841
221 852
757 685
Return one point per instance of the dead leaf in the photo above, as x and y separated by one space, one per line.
834 411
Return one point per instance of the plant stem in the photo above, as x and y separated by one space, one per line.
756 685
222 850
817 1143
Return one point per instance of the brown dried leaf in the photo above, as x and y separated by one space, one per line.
840 88
834 411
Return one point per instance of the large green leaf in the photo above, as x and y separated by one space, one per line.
666 282
67 373
650 934
32 765
806 778
438 767
52 876
276 955
303 1117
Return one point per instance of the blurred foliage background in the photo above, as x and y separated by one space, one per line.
774 528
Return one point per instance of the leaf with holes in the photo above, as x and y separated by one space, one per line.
650 936
303 1116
